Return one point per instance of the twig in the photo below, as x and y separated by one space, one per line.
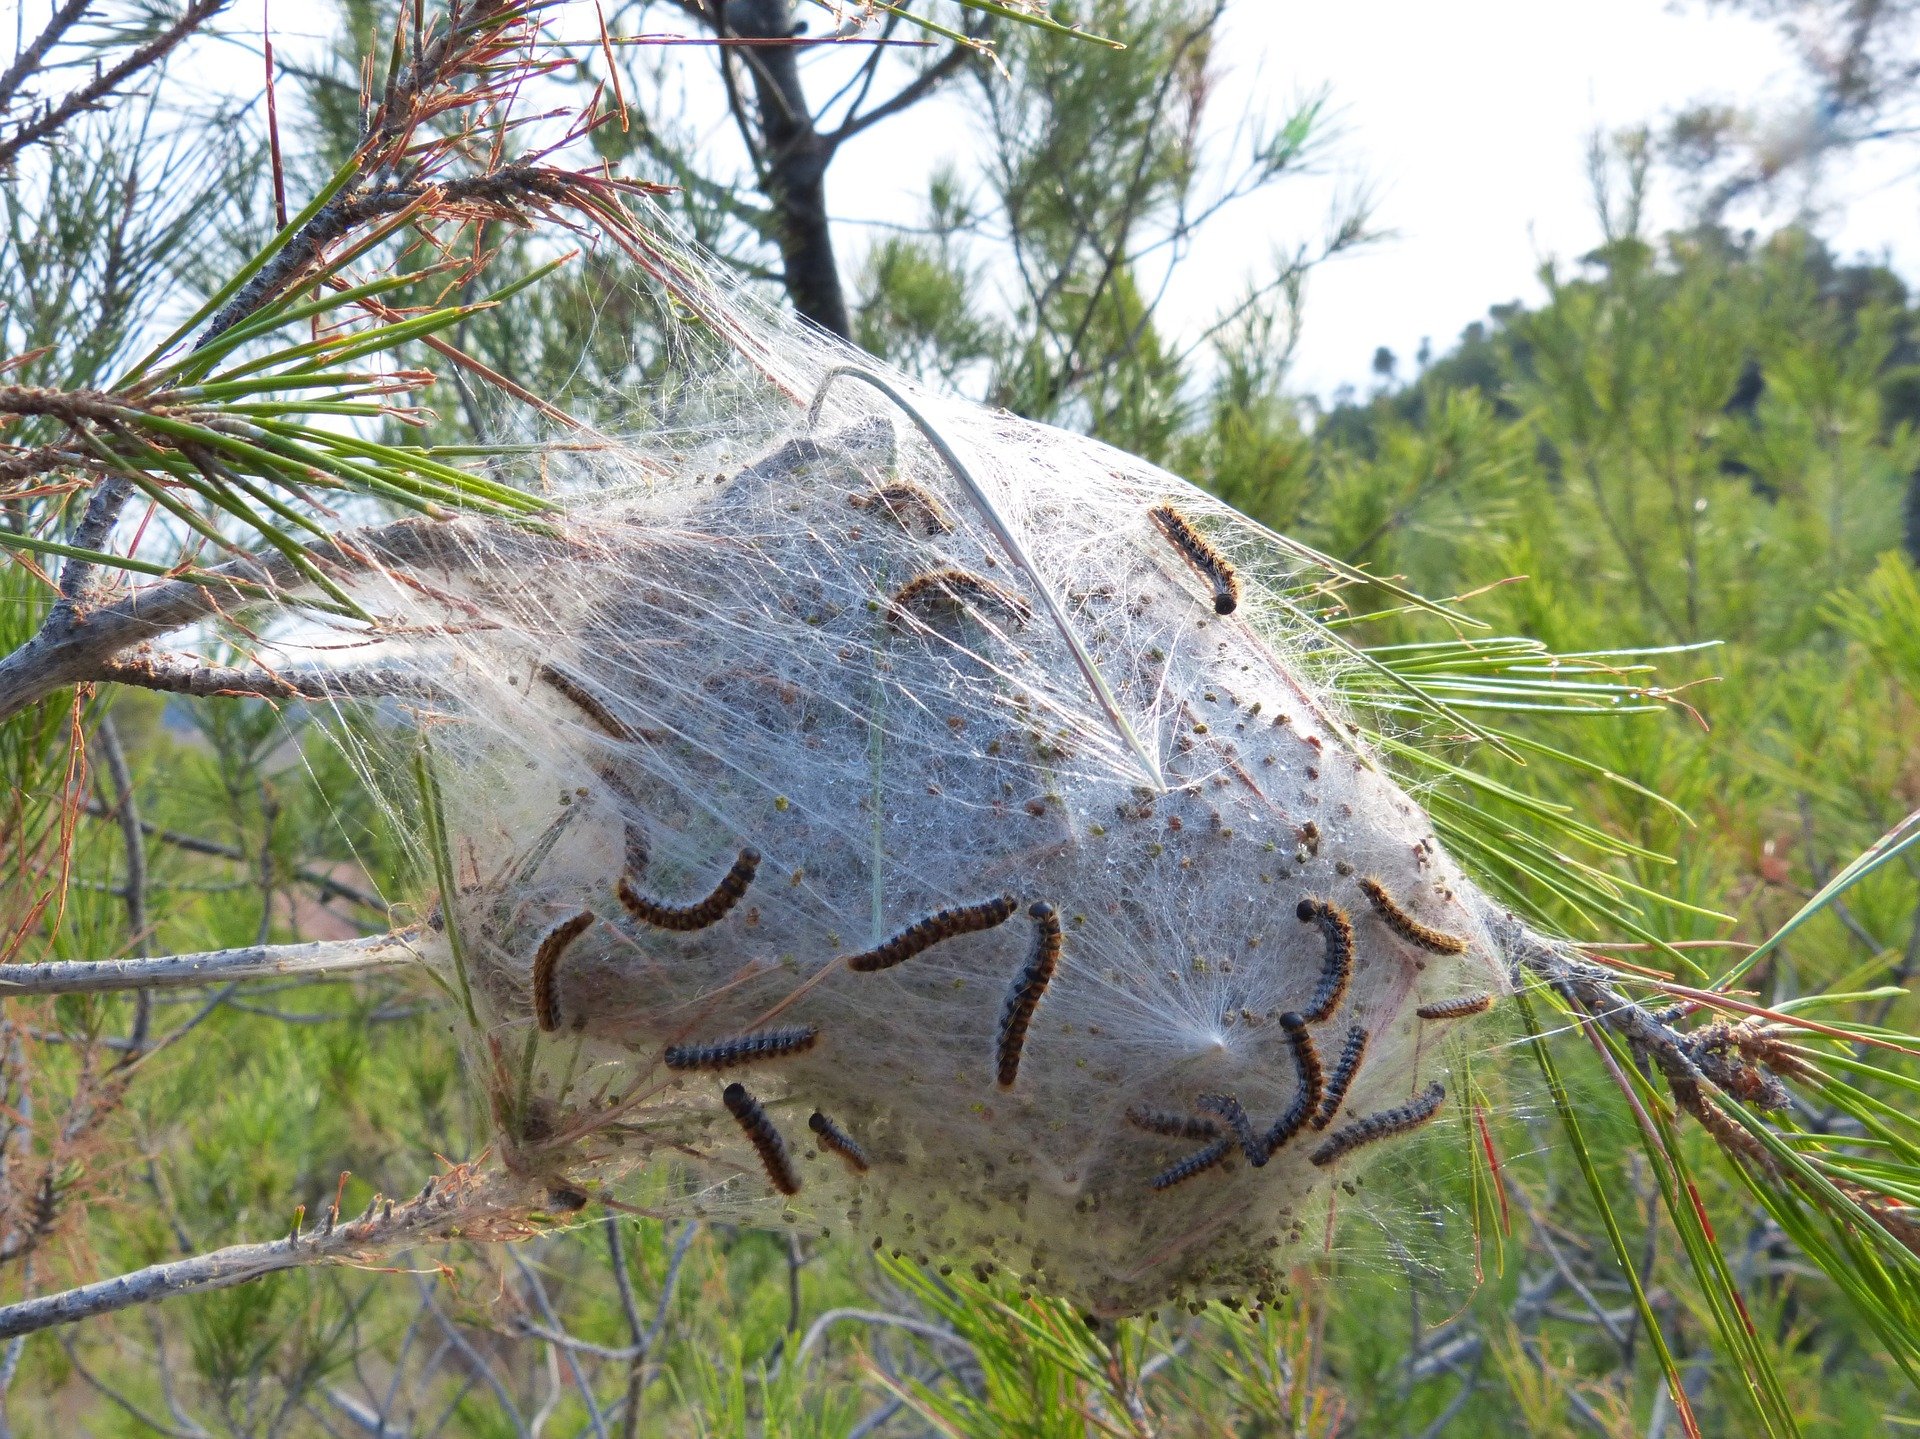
102 976
126 810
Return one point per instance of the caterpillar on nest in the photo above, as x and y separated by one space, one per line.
864 804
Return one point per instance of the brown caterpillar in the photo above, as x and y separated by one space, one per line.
1023 995
1229 1108
833 1137
685 918
1173 1126
905 498
1435 941
751 1048
1199 1162
1336 970
1202 556
764 1137
1313 1083
1410 1115
1343 1073
546 962
953 585
1457 1008
586 701
926 933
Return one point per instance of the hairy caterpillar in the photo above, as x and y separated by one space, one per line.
1435 941
546 962
833 1137
744 1048
586 701
953 585
1023 996
1457 1008
686 918
902 499
1202 556
1173 1126
1337 969
1410 1115
1306 1100
1343 1073
1199 1162
764 1137
1229 1108
925 933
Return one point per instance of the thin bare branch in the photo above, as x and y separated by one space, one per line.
217 966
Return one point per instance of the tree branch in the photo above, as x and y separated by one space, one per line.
909 95
258 961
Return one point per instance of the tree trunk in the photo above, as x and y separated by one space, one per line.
796 160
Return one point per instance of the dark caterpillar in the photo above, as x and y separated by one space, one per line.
1336 970
903 499
833 1137
1202 556
1410 1115
926 933
1023 996
1457 1008
546 963
1198 1162
586 701
1229 1108
743 1049
711 910
954 586
1306 1099
764 1137
1434 941
1173 1126
1343 1073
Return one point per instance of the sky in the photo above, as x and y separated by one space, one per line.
1468 124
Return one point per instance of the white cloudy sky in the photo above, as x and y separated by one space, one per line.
1469 122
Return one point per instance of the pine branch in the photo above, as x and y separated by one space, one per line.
217 966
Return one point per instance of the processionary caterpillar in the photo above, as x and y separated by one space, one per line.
1199 1162
1023 996
1410 1115
1202 556
1435 941
586 701
546 961
1229 1108
905 498
686 918
1457 1008
1336 970
1343 1073
954 586
764 1137
751 1048
1173 1126
926 933
1306 1100
833 1137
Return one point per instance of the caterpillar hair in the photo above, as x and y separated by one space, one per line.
1023 995
1434 941
1410 1115
926 933
765 1139
1457 1008
1199 1162
1313 1084
833 1137
903 499
1229 1108
586 701
1173 1126
954 586
1336 970
1202 556
546 963
711 910
762 1044
1343 1073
